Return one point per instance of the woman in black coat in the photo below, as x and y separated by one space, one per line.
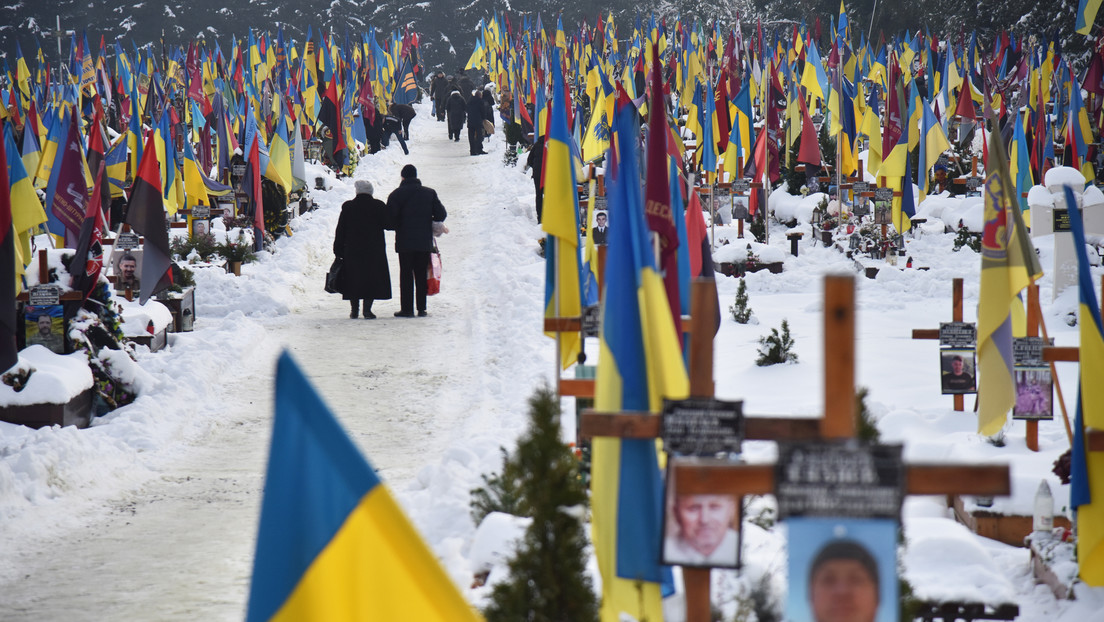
456 109
359 242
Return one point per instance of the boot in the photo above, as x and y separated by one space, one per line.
368 315
355 304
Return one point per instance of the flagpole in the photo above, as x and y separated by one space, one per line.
839 138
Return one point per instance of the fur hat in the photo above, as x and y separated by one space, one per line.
409 172
363 186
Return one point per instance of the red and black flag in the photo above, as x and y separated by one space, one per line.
330 116
9 355
146 215
83 277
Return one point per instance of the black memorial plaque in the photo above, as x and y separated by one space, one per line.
843 479
702 427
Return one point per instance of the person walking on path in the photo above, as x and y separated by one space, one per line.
413 208
456 110
360 244
535 161
439 91
475 124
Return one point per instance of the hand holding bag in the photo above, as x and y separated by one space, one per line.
433 274
333 277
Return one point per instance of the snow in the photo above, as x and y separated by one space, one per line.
154 507
54 379
1060 176
137 317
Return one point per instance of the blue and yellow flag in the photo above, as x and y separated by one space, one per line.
332 543
1008 264
563 277
1087 469
639 364
1086 15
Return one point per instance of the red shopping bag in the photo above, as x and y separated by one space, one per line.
433 275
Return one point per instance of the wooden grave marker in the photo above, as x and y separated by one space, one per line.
933 333
711 476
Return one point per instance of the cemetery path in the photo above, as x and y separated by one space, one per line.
180 546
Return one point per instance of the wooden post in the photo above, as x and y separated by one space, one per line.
703 305
1032 432
839 357
43 268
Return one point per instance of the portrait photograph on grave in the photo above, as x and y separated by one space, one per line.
600 230
45 326
700 530
126 266
842 570
957 371
1034 394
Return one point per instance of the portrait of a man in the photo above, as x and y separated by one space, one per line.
958 371
701 531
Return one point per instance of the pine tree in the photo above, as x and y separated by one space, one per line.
548 580
739 309
776 348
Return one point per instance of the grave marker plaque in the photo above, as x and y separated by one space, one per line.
1061 219
741 185
44 295
126 241
591 320
201 211
957 334
841 479
702 427
1034 382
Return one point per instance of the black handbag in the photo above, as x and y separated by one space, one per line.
333 277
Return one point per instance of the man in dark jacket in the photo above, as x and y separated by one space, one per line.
413 208
535 161
475 124
359 242
466 85
405 114
456 109
439 90
392 126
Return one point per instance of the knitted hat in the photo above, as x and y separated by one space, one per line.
409 172
846 550
363 186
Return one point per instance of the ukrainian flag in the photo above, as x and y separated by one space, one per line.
639 364
1008 264
1087 478
563 276
1086 15
332 543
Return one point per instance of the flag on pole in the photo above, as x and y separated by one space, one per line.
1087 469
1008 264
84 270
563 279
332 543
9 355
146 215
639 364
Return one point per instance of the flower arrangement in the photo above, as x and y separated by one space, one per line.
238 250
203 245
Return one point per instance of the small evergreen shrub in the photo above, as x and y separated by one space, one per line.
967 238
776 347
865 425
739 309
548 580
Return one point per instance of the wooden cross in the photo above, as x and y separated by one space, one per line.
933 333
711 476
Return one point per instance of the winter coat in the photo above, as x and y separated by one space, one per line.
439 89
488 107
359 241
475 112
413 208
456 108
405 112
535 159
466 87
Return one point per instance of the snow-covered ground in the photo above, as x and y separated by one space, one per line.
152 512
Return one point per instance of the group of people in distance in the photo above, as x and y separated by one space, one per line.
459 101
411 211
